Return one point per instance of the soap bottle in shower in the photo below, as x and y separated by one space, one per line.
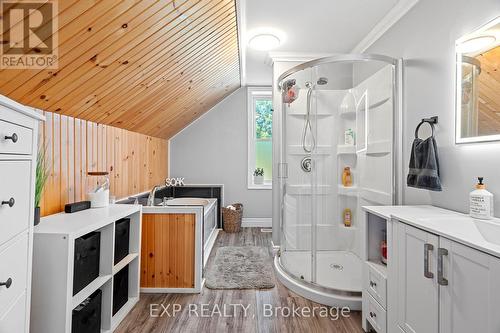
347 217
481 202
347 177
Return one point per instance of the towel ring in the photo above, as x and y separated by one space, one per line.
431 121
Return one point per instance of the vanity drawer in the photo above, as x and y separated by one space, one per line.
376 315
15 196
13 266
376 284
18 141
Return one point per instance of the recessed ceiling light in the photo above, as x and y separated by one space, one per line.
264 42
475 44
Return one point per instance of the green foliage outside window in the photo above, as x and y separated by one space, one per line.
264 119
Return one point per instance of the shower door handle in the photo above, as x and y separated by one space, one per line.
282 170
427 248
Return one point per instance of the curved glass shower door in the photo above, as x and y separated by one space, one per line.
297 202
337 115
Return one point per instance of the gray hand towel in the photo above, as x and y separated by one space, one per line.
424 165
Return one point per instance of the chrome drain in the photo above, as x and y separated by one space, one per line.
337 267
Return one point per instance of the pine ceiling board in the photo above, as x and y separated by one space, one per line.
168 112
191 106
149 71
489 88
190 113
119 35
143 63
124 78
165 116
176 127
92 74
180 87
173 78
195 52
76 35
7 75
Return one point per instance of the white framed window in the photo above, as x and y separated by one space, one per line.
260 138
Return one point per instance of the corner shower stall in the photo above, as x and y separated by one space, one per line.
336 112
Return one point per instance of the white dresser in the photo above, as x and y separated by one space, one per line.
18 151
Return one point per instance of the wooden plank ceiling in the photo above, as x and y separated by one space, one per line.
147 66
489 92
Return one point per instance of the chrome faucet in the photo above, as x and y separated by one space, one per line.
151 197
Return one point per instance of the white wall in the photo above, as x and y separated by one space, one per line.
213 150
425 39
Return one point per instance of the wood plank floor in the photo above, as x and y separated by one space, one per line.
256 319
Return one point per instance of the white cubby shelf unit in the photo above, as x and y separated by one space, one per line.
53 264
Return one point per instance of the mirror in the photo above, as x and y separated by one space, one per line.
478 85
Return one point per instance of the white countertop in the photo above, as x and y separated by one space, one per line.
82 222
478 234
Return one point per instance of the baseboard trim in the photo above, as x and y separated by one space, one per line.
257 222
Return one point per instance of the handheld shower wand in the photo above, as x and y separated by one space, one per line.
307 123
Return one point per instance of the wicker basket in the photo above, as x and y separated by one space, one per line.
232 218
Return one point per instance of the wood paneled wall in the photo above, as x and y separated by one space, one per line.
74 147
168 250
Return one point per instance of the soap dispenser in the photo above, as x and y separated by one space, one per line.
481 202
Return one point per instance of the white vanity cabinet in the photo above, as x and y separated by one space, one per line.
443 274
444 286
417 289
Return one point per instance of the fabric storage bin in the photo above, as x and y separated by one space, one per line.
86 317
122 235
120 289
86 264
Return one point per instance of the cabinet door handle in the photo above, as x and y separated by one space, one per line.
373 284
427 248
13 137
372 314
9 202
7 283
441 279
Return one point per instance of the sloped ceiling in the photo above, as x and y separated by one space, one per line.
147 66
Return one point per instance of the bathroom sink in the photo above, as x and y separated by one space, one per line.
489 230
186 202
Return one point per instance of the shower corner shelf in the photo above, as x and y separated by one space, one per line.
347 228
347 113
379 147
346 150
350 191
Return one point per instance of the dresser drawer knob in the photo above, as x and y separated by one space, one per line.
372 314
10 202
373 284
13 137
7 283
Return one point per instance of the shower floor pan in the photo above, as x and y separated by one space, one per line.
338 276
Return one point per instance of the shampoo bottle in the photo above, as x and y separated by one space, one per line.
481 202
347 217
347 177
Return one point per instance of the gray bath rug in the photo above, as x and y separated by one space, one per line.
240 267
